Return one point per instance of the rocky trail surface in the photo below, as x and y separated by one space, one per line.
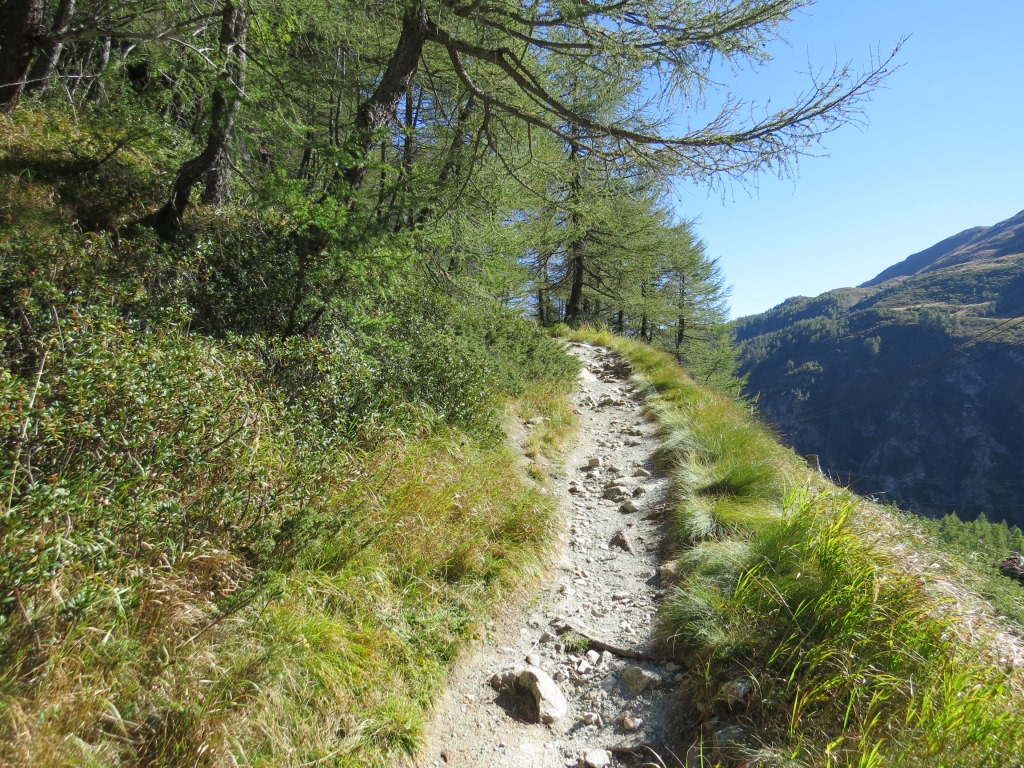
576 679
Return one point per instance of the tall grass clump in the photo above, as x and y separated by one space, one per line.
803 614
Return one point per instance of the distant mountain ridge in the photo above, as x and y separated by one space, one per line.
910 385
1003 239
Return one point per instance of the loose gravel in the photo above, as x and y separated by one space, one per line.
590 627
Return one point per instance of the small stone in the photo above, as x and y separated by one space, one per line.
670 571
593 656
548 637
641 472
631 723
622 541
606 658
638 680
616 493
629 507
590 718
506 679
671 666
533 659
595 461
583 667
595 758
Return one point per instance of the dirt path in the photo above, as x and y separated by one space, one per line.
620 708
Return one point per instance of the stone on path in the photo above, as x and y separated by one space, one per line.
638 680
630 723
616 492
623 541
551 704
595 758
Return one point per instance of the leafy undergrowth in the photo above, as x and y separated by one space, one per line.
815 629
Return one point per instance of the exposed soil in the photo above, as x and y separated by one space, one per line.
590 626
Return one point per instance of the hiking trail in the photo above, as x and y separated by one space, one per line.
590 627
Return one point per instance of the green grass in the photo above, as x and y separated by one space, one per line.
334 659
824 611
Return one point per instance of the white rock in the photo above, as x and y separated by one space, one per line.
593 656
641 472
551 704
596 758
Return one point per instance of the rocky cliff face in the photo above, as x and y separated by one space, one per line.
911 386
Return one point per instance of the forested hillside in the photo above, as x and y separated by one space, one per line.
265 268
908 386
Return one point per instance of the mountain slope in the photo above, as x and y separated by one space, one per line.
974 244
908 385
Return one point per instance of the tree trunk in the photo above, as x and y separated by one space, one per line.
577 243
20 26
681 326
226 98
95 92
39 75
374 113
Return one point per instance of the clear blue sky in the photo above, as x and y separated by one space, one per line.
943 149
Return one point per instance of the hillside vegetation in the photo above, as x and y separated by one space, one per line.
264 273
816 628
907 386
220 542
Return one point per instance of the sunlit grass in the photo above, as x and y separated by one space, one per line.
816 606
